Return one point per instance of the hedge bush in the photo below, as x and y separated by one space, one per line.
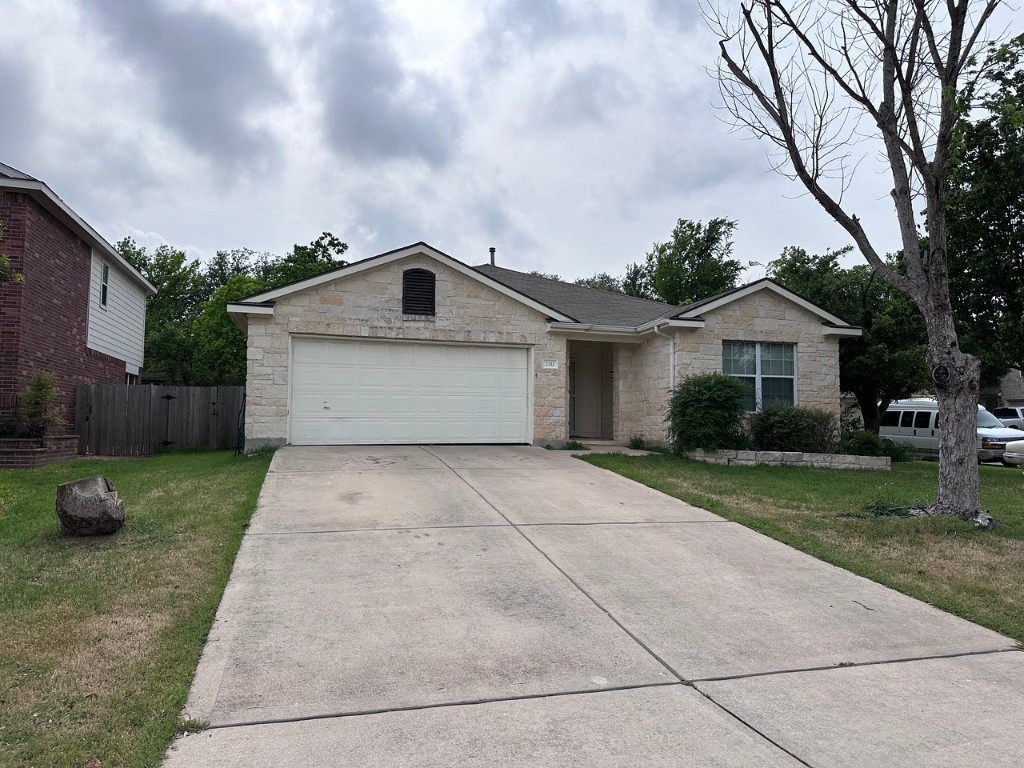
866 443
706 411
786 427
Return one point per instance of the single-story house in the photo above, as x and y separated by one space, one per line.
80 311
413 346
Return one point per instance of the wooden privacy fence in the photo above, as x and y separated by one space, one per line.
121 420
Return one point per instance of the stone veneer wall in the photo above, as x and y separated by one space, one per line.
1011 389
764 316
791 459
641 391
369 305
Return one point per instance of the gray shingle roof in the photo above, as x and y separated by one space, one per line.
587 305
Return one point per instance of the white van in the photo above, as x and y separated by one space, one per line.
914 422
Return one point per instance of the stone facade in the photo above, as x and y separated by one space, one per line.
764 316
369 305
642 390
642 380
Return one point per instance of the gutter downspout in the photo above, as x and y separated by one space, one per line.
671 353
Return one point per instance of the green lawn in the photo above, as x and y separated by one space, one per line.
975 574
99 637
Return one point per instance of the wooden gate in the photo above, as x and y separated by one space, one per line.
122 420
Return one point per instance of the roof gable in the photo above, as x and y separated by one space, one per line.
263 302
15 180
710 304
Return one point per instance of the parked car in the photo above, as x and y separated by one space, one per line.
914 422
1010 417
1014 455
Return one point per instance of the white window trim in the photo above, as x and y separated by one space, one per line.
104 284
758 397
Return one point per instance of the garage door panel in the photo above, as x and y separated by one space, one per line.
386 392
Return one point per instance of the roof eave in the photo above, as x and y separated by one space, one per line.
624 330
402 253
841 330
760 285
52 202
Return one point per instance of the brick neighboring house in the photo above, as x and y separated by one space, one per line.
81 310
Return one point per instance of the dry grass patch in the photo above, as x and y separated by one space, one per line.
101 635
975 574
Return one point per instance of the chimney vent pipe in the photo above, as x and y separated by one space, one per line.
492 255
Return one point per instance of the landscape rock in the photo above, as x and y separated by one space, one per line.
90 507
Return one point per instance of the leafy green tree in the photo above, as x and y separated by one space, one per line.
226 265
7 273
305 261
181 291
985 214
219 354
693 265
601 281
887 362
545 275
189 336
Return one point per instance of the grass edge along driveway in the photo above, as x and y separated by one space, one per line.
101 635
978 575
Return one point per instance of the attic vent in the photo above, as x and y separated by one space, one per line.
418 292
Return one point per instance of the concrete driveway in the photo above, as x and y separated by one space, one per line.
489 606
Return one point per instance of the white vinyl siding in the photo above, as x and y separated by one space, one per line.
117 329
347 391
768 370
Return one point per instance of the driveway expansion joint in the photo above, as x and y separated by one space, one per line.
852 665
759 732
571 580
441 705
380 530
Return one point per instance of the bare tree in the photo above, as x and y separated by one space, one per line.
819 78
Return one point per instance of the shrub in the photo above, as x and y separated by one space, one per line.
38 410
850 421
636 442
897 451
707 412
863 443
575 445
786 427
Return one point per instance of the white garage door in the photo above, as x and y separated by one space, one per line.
364 392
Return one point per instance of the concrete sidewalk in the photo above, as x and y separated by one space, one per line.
406 606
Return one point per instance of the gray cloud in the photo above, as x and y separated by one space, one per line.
684 16
587 95
209 76
501 230
374 109
20 124
532 23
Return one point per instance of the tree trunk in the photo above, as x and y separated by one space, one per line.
956 376
867 400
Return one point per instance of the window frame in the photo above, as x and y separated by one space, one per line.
104 284
759 375
419 272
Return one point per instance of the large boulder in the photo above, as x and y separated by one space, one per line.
89 507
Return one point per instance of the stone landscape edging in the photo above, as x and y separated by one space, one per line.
790 459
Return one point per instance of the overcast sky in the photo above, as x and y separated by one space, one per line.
569 135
